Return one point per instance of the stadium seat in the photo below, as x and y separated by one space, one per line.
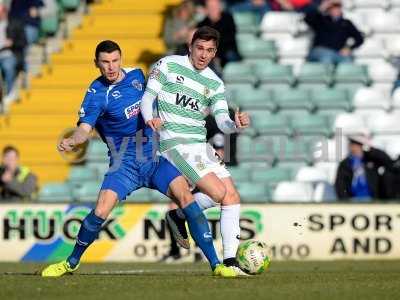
87 191
315 73
293 99
293 191
275 74
97 151
245 22
239 174
324 192
331 150
238 72
254 99
373 4
313 125
271 176
371 48
293 47
70 4
258 49
393 148
280 22
328 99
253 192
384 124
100 168
234 89
382 22
349 123
292 150
351 73
55 192
369 98
358 19
271 125
330 169
49 25
311 174
80 174
258 149
382 72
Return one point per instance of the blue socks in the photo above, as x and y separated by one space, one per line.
88 232
200 231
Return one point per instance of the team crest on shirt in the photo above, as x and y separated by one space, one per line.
200 166
137 85
206 91
132 111
155 74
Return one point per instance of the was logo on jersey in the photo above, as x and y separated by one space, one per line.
132 111
187 102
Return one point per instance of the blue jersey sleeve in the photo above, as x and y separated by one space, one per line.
92 107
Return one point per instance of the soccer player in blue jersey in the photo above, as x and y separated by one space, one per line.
112 107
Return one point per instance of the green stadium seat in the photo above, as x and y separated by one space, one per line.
351 74
253 192
258 49
80 174
140 195
298 99
315 124
275 74
294 113
292 150
270 125
239 72
70 4
331 99
245 22
315 73
254 149
49 25
239 174
87 192
156 196
250 165
293 166
55 192
252 98
272 176
97 151
99 168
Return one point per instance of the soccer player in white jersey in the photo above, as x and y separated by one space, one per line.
187 90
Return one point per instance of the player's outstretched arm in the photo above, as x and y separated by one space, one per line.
80 135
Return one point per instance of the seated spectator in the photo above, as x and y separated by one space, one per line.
224 23
332 34
258 7
177 27
16 182
8 61
366 173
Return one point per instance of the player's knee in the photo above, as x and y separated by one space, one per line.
231 197
219 194
101 212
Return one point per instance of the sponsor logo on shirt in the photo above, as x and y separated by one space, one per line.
137 85
187 102
206 92
91 90
132 111
82 112
180 79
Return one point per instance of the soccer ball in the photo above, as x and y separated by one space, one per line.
252 257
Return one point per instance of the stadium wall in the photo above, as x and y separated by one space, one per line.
137 232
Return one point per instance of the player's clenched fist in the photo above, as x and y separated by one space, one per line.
155 124
66 145
242 119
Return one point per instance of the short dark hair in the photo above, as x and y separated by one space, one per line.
206 33
108 47
10 148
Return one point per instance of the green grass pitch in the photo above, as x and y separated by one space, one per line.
285 280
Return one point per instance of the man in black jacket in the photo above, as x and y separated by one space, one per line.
366 173
332 34
224 23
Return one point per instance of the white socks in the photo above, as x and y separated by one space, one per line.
204 201
230 229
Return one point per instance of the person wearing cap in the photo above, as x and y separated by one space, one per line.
332 33
366 173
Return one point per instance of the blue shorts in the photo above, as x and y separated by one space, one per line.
132 175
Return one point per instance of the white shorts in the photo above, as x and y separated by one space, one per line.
195 161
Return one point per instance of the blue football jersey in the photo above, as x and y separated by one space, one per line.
114 111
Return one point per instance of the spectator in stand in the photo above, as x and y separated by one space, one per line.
258 7
16 182
8 61
332 34
224 23
367 172
178 26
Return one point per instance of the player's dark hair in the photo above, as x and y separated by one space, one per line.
10 148
206 33
108 47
